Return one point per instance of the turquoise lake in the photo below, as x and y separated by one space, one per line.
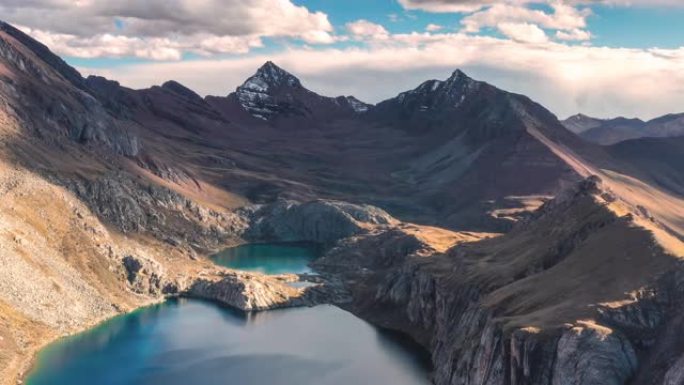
183 342
193 342
276 258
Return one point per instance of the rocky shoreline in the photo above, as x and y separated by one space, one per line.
153 280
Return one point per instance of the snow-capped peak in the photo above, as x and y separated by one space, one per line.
273 92
437 93
256 95
271 76
357 105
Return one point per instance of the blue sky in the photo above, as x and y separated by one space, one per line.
601 57
612 26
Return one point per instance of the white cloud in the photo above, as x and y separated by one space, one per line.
564 17
433 27
449 6
364 29
466 6
107 45
523 32
164 29
565 78
574 34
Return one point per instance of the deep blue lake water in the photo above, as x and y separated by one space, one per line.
272 258
191 342
183 342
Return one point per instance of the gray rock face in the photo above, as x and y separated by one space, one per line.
457 311
146 276
675 376
244 293
48 96
593 356
134 207
376 250
255 292
316 221
469 346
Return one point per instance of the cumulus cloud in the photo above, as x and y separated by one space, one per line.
575 34
364 29
524 32
433 27
447 6
563 17
164 29
450 6
157 48
567 79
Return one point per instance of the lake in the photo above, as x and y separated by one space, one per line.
185 342
269 258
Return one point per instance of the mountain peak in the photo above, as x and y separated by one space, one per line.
273 92
458 74
435 94
460 78
581 116
270 75
181 90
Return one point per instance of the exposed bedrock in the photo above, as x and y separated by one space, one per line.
537 306
255 292
243 292
134 207
317 221
321 221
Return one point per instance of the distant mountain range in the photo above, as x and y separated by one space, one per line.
611 131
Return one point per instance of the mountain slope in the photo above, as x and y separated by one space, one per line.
581 293
477 145
611 131
580 123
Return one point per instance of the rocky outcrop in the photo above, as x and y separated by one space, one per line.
148 208
321 221
147 277
256 292
243 292
526 307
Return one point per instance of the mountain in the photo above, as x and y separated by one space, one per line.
273 93
580 123
666 126
463 215
611 131
657 159
472 142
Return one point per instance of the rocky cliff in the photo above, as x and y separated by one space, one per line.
557 301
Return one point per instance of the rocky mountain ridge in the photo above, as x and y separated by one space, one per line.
612 131
273 92
496 311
